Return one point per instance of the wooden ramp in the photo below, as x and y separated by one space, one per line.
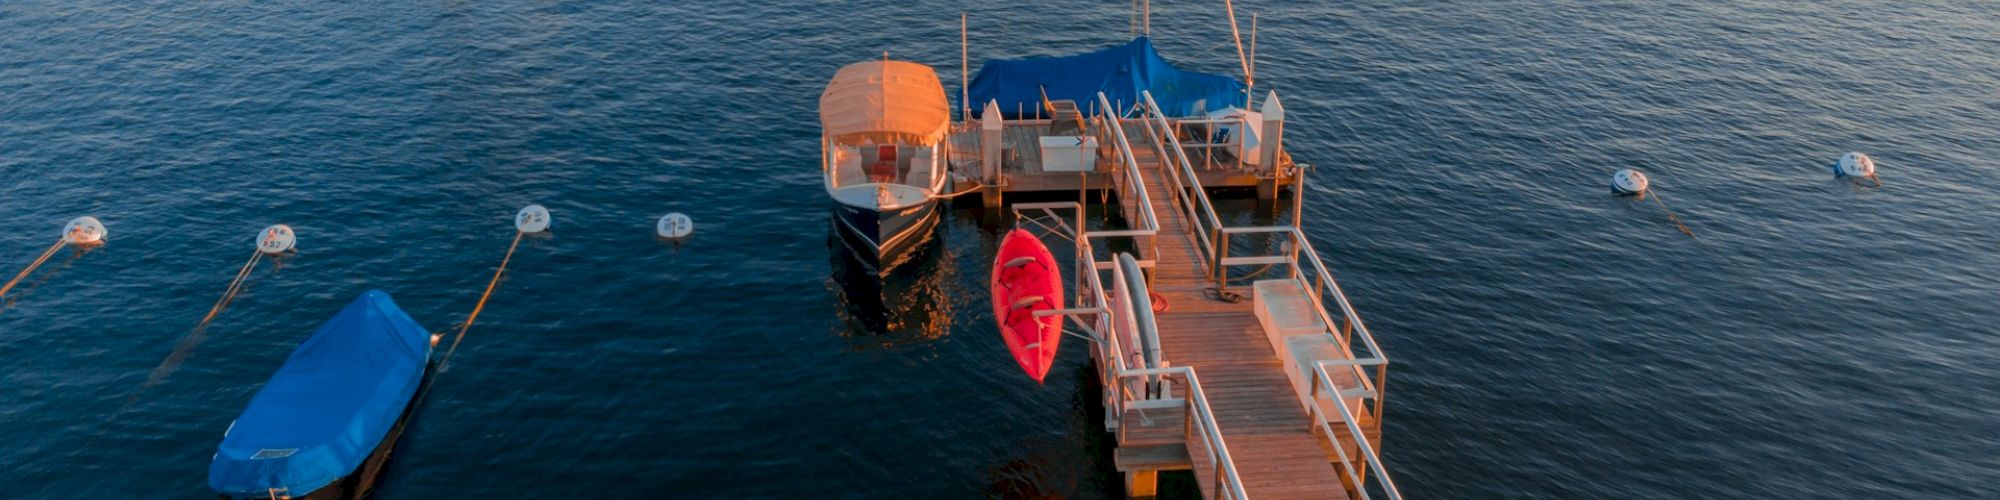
1267 431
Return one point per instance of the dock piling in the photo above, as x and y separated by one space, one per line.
1270 151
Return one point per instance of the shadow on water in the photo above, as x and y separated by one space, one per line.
904 305
1048 468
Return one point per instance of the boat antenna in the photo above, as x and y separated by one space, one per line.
1249 78
1146 19
531 219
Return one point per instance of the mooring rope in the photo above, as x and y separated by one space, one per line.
1670 215
200 332
44 258
481 305
229 295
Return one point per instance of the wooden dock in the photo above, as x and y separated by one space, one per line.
1261 390
1267 430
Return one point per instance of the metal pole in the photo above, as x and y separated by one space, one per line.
964 70
1298 202
1249 78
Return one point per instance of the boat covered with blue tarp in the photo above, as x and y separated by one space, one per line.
1121 73
335 406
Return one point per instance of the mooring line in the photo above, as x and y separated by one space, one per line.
445 361
229 295
1670 215
44 258
194 338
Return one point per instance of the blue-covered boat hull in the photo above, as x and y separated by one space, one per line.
326 422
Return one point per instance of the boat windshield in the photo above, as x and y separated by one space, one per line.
853 165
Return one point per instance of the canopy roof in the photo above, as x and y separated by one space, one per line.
885 102
1121 73
328 407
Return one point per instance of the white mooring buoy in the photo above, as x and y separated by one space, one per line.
532 219
1628 182
1854 164
85 230
674 226
276 239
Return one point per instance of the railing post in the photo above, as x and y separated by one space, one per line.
1221 242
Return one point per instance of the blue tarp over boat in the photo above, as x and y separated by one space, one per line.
1119 72
328 407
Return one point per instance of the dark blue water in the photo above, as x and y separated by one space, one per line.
1817 339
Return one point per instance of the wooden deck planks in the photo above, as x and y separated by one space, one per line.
1267 433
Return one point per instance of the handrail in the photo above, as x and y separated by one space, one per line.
1373 460
1112 352
1213 243
1211 434
1187 186
1149 225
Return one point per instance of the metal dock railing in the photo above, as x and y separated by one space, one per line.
1291 410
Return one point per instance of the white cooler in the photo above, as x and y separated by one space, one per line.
1069 153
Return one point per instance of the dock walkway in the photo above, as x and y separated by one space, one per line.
1275 392
1260 418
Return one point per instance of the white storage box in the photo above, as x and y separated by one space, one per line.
1069 153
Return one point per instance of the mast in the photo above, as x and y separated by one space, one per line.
1247 90
1248 78
964 72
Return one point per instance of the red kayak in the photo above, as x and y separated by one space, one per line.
1026 279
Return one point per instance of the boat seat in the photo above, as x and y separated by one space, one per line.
1027 302
1019 261
884 168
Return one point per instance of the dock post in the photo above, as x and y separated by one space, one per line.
990 154
1142 484
1273 143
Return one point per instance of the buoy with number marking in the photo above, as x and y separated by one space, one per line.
276 239
1854 164
85 230
1628 182
532 219
674 226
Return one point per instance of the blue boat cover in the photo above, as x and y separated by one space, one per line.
328 407
1119 72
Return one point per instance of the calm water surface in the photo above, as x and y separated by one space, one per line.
1817 340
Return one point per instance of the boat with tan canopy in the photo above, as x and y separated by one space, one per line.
884 154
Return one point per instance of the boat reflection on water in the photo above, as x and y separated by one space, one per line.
900 302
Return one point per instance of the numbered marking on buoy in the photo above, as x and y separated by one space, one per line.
674 226
1854 164
276 239
532 219
1628 181
84 230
